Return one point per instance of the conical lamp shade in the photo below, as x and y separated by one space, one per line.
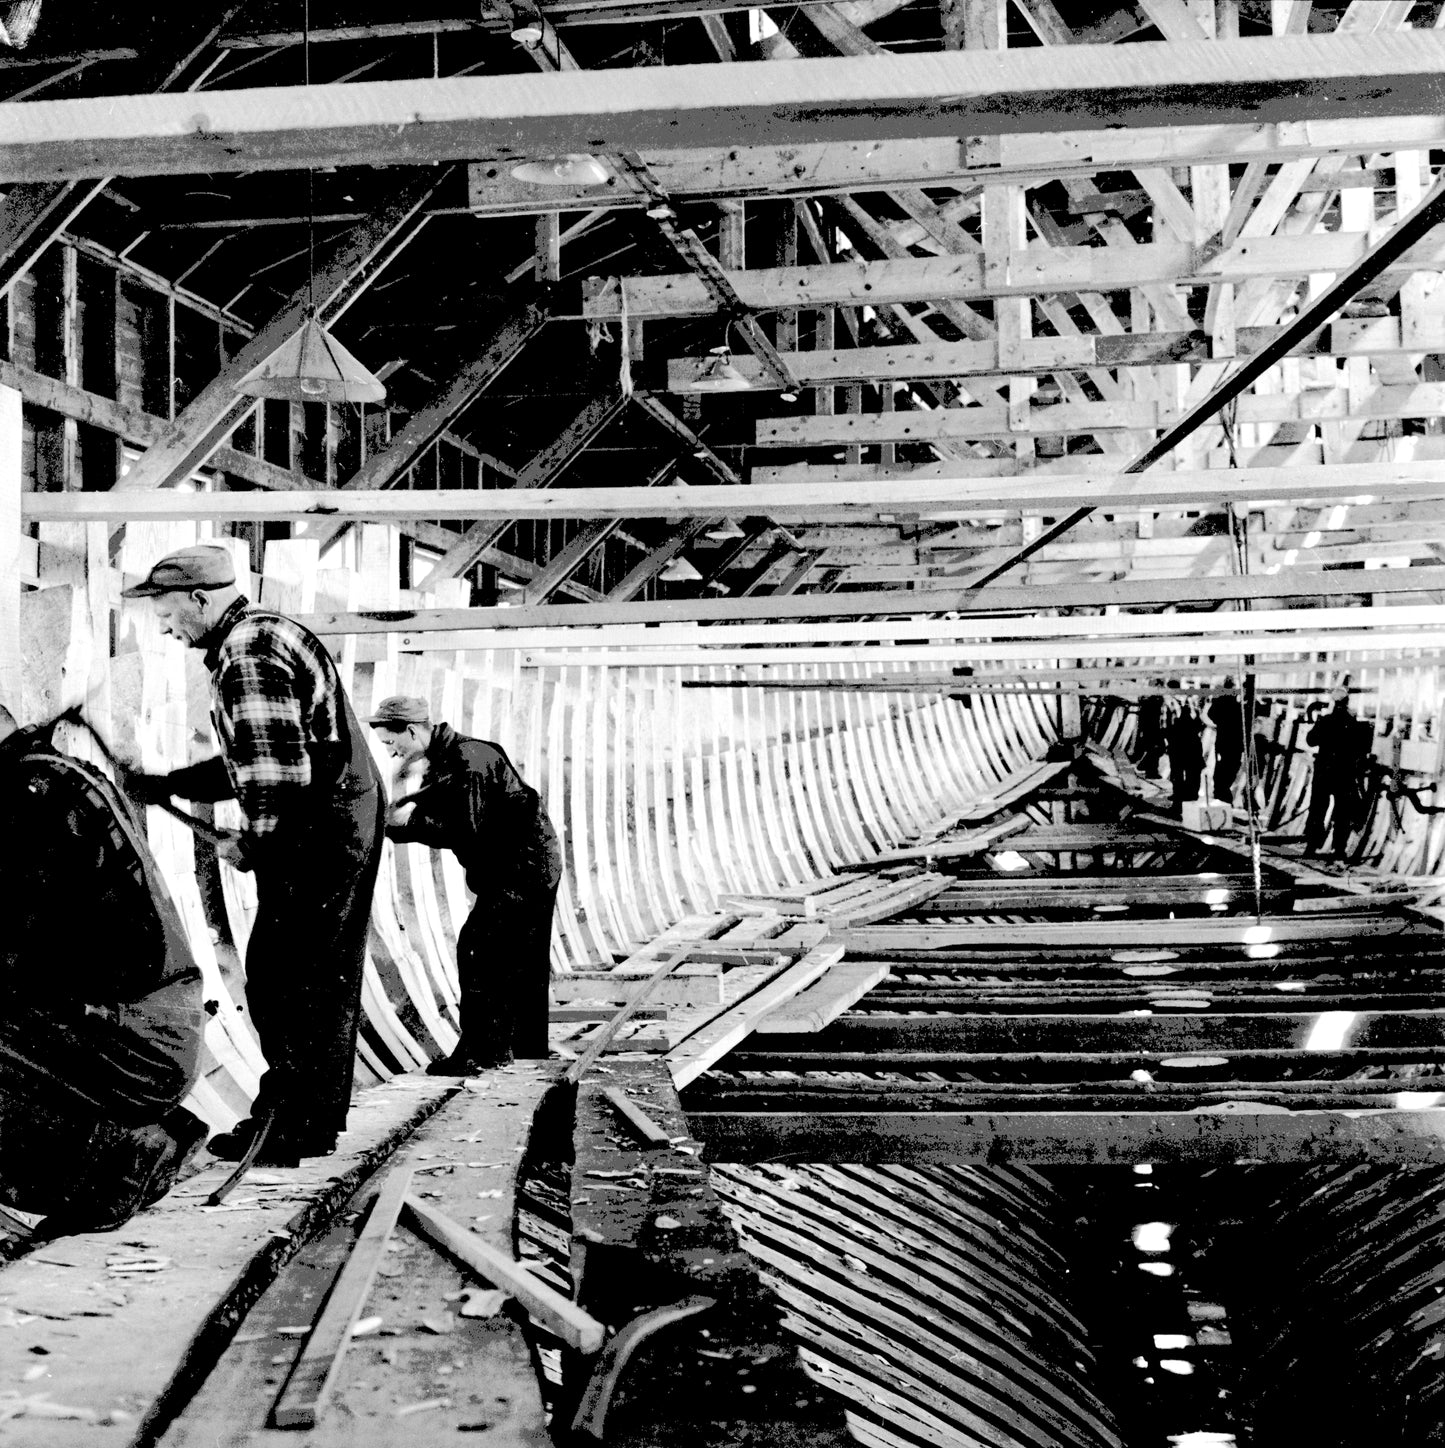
679 571
312 366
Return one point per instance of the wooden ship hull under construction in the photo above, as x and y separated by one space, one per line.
803 438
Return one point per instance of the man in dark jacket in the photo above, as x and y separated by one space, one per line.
1226 713
294 756
100 999
1185 735
472 802
1341 744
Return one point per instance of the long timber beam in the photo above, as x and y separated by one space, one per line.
1182 630
1324 404
813 168
851 98
1377 337
1139 593
1035 271
934 499
1216 1136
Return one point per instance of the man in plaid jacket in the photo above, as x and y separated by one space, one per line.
294 756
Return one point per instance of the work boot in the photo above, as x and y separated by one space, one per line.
232 1145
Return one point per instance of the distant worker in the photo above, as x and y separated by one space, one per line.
1184 733
469 799
1342 745
296 759
1149 741
100 1001
1226 714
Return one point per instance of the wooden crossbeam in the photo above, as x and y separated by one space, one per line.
1130 593
1036 271
1317 405
1116 934
910 361
1219 1136
33 214
810 168
929 499
1288 78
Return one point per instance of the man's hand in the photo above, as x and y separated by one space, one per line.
145 788
231 848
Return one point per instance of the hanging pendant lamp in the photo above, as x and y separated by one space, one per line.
312 366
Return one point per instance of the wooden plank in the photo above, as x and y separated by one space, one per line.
894 899
826 1000
1036 271
1093 934
1282 78
185 1313
690 985
1294 583
1216 1136
308 1388
976 843
694 1055
647 1131
937 498
1210 1032
578 1329
467 1159
922 361
11 482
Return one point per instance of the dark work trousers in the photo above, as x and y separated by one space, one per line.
1226 768
308 947
1337 783
504 968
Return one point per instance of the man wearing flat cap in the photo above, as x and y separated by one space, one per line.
295 758
473 802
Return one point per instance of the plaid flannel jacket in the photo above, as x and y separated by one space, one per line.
274 691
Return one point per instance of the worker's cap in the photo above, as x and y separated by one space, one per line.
199 566
400 710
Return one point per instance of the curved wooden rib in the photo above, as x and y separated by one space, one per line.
928 1300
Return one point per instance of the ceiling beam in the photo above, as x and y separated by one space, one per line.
1310 406
816 168
33 214
851 98
1348 337
1381 584
931 500
1035 271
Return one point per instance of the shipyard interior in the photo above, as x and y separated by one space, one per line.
722 724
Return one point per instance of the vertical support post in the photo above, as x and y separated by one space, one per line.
548 262
10 484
